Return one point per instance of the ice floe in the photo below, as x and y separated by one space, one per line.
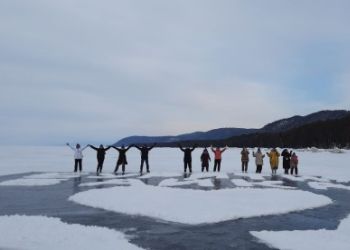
308 239
174 182
31 182
327 185
107 182
198 206
42 233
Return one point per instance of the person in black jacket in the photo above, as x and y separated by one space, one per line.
144 156
205 158
101 152
187 157
122 158
286 160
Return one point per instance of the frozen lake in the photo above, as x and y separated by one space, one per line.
167 210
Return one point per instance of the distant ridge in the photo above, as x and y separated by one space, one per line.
229 134
297 121
215 134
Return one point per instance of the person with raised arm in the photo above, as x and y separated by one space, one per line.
218 157
259 160
144 150
245 159
274 160
78 156
122 160
187 157
205 158
101 153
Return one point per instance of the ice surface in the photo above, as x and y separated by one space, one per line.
241 183
196 206
31 182
160 174
174 182
217 175
42 233
309 239
162 160
113 176
270 184
252 176
43 179
325 185
108 182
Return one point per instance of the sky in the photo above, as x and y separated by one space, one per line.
98 71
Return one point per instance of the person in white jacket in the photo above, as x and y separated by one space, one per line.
259 160
78 156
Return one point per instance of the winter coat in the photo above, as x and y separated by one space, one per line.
205 158
259 158
286 159
294 161
218 153
245 155
187 153
122 155
144 151
78 152
101 152
274 159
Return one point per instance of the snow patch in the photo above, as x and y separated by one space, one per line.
325 185
255 177
113 176
304 240
241 183
174 182
108 182
32 182
42 233
196 206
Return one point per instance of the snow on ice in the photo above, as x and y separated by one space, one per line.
42 233
174 182
303 240
196 206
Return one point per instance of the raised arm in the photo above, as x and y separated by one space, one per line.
108 148
128 148
152 147
224 149
139 148
180 147
70 146
84 147
194 147
93 147
116 148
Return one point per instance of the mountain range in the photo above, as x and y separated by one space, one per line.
231 135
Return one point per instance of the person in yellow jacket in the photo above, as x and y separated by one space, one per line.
274 160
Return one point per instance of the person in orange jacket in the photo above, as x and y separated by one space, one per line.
218 157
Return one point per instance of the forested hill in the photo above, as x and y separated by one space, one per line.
321 129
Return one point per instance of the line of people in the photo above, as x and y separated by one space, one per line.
290 159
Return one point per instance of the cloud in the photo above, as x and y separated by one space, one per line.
100 71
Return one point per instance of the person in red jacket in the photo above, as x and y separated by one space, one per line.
218 156
205 158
